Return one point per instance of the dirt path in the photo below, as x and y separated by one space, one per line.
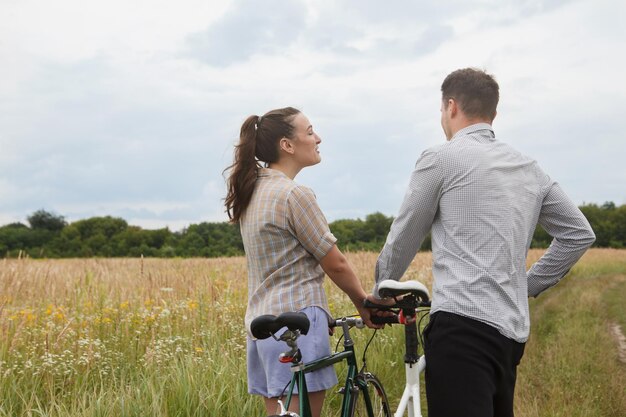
620 340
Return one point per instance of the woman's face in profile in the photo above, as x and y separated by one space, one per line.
305 142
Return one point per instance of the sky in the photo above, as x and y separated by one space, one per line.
132 109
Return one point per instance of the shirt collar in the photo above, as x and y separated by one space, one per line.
268 172
475 128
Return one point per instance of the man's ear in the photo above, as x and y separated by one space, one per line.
287 146
452 107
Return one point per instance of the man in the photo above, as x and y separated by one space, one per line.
482 201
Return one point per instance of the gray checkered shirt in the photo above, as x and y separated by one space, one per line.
482 201
285 234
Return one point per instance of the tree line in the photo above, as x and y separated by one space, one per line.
48 235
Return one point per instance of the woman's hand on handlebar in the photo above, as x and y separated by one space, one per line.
380 312
382 302
367 314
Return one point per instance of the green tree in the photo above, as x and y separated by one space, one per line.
379 224
69 243
107 226
17 237
619 218
50 236
362 235
344 231
192 244
45 220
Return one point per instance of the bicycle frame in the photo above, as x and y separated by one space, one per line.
351 383
414 365
410 399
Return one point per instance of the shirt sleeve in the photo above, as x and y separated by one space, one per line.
572 236
308 224
414 220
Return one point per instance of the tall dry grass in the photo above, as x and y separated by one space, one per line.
129 337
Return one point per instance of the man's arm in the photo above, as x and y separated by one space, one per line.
572 234
414 220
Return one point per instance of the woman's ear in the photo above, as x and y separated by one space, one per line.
287 146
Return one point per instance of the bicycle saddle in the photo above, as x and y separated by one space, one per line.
391 288
264 326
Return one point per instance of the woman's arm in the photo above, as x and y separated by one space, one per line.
337 267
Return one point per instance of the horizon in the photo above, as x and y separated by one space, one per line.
60 215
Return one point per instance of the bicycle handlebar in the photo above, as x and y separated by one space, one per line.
350 321
385 320
403 309
403 304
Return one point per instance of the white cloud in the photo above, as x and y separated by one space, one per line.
74 30
245 30
131 109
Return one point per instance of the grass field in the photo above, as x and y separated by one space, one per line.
156 337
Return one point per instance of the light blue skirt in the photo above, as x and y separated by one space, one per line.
269 377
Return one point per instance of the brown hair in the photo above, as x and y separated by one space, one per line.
476 92
258 141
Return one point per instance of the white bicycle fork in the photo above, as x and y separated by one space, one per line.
411 397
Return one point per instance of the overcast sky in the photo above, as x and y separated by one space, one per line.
132 108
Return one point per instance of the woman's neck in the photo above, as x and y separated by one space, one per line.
287 168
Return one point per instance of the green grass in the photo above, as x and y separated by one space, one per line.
87 338
571 365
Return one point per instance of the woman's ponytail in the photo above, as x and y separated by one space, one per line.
243 171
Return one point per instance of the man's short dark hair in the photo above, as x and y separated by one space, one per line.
476 92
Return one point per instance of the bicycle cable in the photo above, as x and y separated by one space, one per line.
282 394
420 332
338 341
368 345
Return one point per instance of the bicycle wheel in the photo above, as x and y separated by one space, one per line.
369 389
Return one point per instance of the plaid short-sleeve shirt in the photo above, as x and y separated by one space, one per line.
285 234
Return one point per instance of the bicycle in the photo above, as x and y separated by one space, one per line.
409 297
363 393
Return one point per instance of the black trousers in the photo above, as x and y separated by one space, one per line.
470 368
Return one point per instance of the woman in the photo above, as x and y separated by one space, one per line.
288 247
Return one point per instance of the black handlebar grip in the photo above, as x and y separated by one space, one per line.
369 304
384 320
